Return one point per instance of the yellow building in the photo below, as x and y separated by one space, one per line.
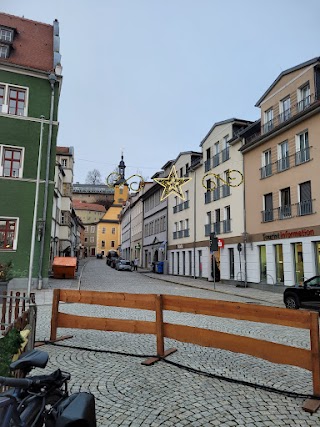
108 228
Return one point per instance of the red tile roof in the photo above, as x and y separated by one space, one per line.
62 150
77 204
32 44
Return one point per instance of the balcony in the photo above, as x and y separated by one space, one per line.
181 233
215 160
225 190
303 156
284 116
267 215
225 154
216 227
266 171
267 127
304 103
207 165
283 164
186 204
304 208
181 206
285 212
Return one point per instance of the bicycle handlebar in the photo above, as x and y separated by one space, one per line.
16 382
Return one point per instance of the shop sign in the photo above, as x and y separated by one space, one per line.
288 234
220 243
180 246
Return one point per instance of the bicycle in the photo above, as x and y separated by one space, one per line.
43 400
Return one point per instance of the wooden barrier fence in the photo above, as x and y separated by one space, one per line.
273 352
15 311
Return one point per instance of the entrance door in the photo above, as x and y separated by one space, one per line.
231 262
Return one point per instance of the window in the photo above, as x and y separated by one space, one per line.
11 162
304 98
279 264
263 263
207 161
17 100
86 239
285 110
283 156
93 228
113 231
91 239
285 207
305 205
2 89
104 230
227 220
298 262
268 120
86 229
112 243
266 169
8 233
63 218
216 160
302 148
4 51
103 244
267 214
64 162
6 35
216 225
225 151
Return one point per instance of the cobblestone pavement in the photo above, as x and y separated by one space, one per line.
130 394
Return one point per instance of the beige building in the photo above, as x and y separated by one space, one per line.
281 180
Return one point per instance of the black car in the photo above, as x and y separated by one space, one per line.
306 295
99 255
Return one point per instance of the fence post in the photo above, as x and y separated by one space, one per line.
54 315
159 326
315 352
33 324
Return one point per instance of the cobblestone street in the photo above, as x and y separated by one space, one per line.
165 394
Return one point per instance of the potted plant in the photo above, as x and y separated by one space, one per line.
5 274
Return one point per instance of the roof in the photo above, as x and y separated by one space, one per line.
78 205
32 43
223 122
64 261
284 73
67 151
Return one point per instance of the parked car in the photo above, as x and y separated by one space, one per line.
99 255
306 295
123 264
111 258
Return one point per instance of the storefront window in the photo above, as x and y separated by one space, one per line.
279 264
263 263
317 255
298 262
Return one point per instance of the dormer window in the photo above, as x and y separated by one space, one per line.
6 35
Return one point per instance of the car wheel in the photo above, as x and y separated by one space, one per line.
291 301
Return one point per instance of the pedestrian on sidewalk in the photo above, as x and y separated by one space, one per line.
135 264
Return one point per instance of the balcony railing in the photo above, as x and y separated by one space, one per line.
207 229
181 233
181 206
225 190
207 165
303 156
216 227
284 117
267 215
225 154
266 171
283 164
216 193
285 212
215 160
227 225
186 204
207 197
304 208
175 234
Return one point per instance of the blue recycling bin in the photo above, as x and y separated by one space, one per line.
160 267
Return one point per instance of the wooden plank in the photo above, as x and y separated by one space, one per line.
315 352
16 306
159 325
54 314
112 299
4 308
239 311
273 352
105 324
311 405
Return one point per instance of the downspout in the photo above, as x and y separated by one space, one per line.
194 224
52 79
35 211
244 227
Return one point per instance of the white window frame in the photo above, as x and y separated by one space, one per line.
5 105
91 239
64 162
15 240
22 149
4 51
92 229
263 160
4 32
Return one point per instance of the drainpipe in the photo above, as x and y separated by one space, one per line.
194 224
244 227
52 79
35 211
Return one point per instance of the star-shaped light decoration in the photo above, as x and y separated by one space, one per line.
172 184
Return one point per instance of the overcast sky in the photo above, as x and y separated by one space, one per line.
152 76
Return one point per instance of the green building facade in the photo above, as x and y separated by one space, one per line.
29 97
